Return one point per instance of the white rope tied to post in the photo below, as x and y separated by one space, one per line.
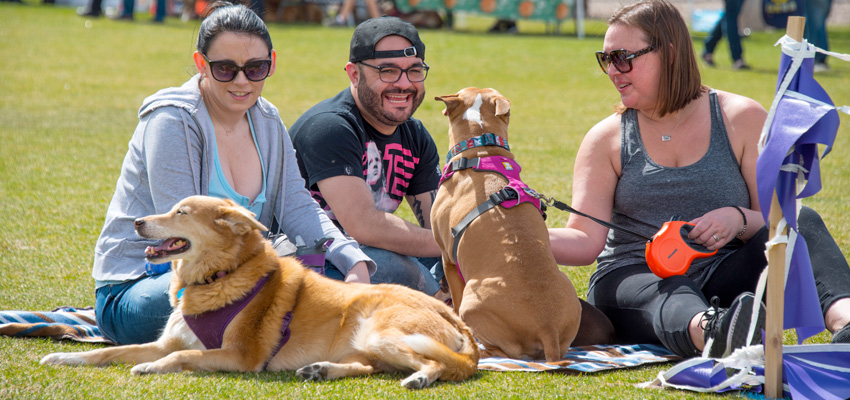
798 51
789 242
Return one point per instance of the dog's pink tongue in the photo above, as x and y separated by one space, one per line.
167 245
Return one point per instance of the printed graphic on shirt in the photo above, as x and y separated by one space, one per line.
388 175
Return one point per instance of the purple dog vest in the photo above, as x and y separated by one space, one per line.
209 326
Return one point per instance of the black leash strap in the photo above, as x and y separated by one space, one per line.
564 207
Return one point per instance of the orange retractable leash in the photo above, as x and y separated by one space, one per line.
667 252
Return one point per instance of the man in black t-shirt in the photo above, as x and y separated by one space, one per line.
361 154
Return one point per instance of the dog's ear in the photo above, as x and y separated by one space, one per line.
451 100
503 107
240 220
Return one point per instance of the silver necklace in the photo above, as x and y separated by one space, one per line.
667 138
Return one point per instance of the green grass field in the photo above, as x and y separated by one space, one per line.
69 93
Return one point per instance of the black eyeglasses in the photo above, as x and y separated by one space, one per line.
226 71
621 59
416 73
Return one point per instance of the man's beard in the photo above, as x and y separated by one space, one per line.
372 101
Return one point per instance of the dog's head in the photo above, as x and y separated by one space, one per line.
197 226
474 111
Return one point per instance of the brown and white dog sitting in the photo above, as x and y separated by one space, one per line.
334 329
504 281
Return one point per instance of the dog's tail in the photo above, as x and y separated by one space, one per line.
459 365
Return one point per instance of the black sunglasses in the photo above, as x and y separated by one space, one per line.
416 73
621 59
226 71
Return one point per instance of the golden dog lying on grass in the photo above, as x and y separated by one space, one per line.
498 264
334 329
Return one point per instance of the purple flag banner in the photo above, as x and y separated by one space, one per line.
801 119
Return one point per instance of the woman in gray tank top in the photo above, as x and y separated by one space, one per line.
675 148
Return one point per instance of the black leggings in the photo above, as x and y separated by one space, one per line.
647 309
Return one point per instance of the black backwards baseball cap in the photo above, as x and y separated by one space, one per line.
371 31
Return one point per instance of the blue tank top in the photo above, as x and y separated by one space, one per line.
219 187
649 194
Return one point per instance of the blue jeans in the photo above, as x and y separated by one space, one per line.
817 11
727 25
134 312
415 273
129 6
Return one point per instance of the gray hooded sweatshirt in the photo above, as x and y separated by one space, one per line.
171 157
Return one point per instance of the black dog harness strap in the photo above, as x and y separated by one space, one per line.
498 198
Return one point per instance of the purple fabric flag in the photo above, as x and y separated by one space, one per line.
803 118
810 372
703 374
807 378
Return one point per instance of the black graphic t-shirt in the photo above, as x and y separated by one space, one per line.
331 139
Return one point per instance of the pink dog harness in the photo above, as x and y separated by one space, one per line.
516 192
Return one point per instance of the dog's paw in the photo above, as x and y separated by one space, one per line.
416 381
143 368
62 359
156 367
313 372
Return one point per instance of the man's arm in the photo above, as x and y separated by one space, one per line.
352 204
421 207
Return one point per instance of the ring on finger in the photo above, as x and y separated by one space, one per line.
716 239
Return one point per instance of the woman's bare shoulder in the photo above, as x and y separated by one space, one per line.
742 113
736 105
606 128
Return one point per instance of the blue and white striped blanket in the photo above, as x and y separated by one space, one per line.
79 324
63 323
587 359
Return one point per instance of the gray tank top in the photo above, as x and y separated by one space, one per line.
648 194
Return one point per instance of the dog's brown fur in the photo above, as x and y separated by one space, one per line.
337 329
515 299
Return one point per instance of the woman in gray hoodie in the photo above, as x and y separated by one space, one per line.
215 136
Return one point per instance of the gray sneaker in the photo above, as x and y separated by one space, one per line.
843 335
726 328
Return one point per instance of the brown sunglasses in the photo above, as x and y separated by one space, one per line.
621 59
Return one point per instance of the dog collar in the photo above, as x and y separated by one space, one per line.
218 275
487 139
